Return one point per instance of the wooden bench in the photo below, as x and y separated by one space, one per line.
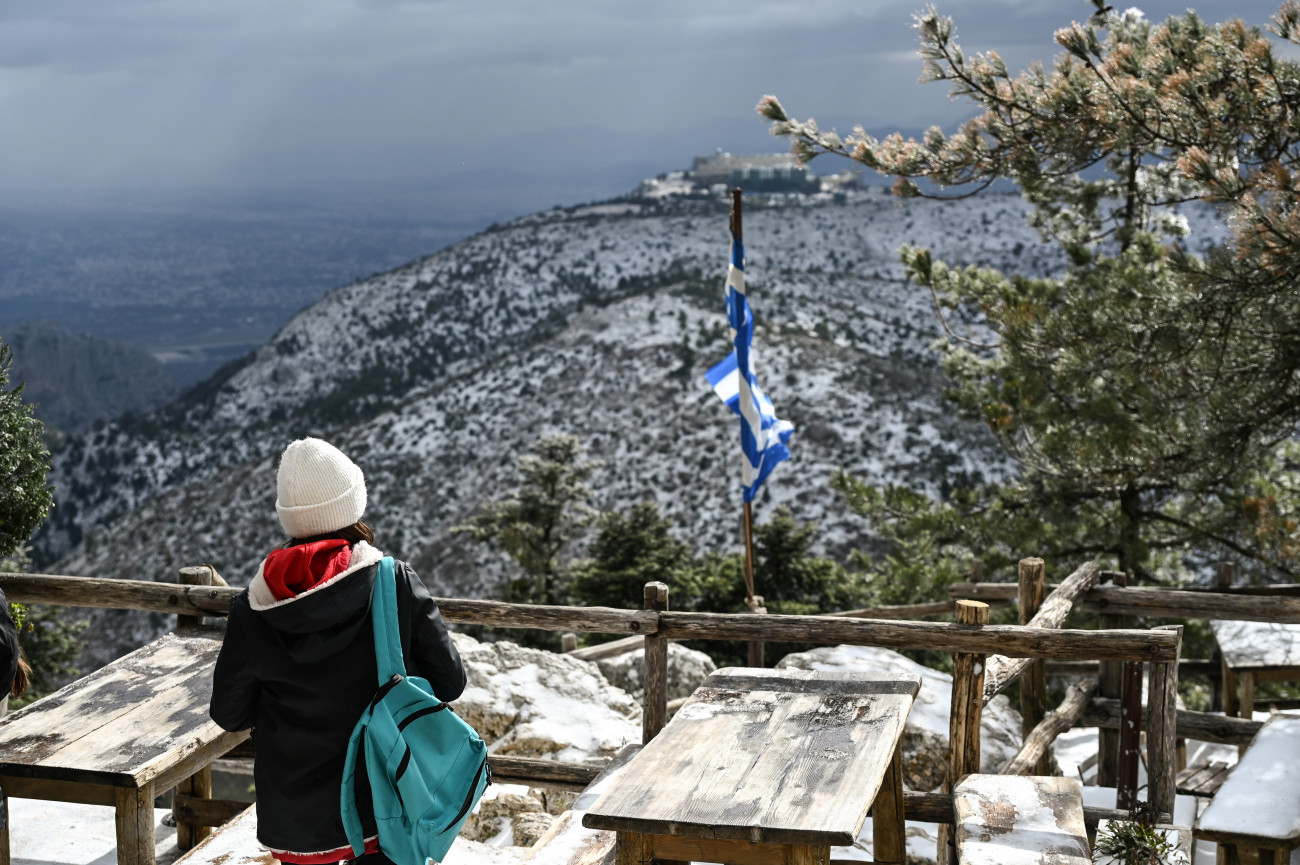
1258 807
1203 778
1019 820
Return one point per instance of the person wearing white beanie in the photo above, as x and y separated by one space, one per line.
298 660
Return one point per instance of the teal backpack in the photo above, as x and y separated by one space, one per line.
427 767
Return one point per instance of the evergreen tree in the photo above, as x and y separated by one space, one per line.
24 463
535 522
1149 396
629 550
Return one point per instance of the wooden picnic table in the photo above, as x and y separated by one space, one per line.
766 766
121 736
1254 652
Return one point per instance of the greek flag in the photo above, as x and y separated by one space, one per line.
763 436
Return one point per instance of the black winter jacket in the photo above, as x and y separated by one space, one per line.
300 673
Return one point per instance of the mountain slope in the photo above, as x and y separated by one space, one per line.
599 321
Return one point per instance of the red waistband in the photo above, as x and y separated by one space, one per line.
326 857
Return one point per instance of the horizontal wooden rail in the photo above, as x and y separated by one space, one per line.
908 611
1010 640
1248 603
117 594
496 614
1008 591
1186 667
1201 726
1178 604
543 773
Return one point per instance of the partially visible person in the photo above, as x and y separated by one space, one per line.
298 662
15 674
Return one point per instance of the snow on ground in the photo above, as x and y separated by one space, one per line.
46 832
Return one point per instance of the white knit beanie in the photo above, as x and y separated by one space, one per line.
318 489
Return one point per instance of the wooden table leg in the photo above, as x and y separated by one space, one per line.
809 854
135 825
888 831
631 848
198 785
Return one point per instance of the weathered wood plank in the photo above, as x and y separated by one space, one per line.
59 791
1162 696
888 827
1005 667
1203 778
543 773
122 724
135 826
779 756
1004 818
1179 604
1008 640
195 788
654 712
497 614
1034 750
140 595
1202 726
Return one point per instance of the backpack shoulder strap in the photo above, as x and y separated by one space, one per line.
383 615
347 791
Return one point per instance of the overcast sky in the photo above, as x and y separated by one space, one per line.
137 93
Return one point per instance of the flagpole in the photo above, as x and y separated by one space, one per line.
753 602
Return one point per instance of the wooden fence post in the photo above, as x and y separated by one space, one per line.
1109 685
1225 695
1162 697
654 711
196 576
1033 684
1130 733
964 716
568 642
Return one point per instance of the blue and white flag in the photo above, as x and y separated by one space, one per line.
763 436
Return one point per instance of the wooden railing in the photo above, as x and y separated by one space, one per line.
996 654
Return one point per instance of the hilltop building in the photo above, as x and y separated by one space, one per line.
763 172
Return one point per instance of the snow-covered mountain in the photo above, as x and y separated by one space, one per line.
597 320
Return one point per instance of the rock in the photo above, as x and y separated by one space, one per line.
530 827
925 739
496 812
532 703
687 670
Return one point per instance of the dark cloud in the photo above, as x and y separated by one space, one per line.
223 91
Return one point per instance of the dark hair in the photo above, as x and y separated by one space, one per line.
23 678
358 531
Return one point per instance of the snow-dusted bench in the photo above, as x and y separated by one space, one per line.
568 842
1258 806
1019 820
233 843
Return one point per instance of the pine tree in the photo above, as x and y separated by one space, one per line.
1149 396
535 522
629 550
24 463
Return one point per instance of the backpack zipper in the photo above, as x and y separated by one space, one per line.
469 797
